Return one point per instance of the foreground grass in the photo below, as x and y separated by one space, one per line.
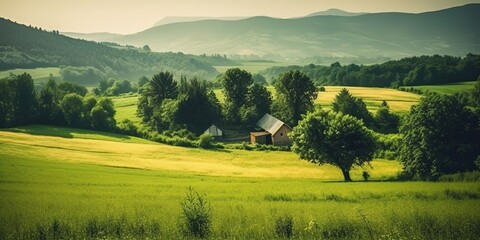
49 191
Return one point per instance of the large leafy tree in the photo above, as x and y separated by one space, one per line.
334 138
103 115
295 96
385 121
235 83
161 87
345 103
196 108
258 102
25 100
441 136
72 107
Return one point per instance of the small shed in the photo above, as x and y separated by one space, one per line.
215 131
275 132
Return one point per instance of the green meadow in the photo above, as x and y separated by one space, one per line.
38 74
450 88
61 183
126 107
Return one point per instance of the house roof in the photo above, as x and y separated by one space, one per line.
270 124
214 130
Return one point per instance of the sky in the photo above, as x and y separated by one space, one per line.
126 16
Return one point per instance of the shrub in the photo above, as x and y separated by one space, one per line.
126 126
365 175
461 177
284 226
206 141
196 214
321 89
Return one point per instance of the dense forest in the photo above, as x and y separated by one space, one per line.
412 71
30 47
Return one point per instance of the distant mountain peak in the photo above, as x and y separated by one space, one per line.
335 12
178 19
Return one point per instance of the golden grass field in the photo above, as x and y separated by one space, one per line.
134 152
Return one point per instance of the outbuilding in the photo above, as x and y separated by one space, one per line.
275 132
215 131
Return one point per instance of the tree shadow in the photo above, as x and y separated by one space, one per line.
56 131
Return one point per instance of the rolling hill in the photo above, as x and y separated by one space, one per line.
450 31
24 46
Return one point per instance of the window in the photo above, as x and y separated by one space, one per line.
281 134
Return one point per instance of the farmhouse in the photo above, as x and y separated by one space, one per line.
275 132
215 131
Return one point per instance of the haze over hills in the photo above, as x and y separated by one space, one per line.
22 46
178 19
335 12
450 31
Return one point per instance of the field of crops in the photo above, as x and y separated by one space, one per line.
451 88
399 101
58 183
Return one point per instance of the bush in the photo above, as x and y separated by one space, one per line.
126 126
206 141
196 214
284 227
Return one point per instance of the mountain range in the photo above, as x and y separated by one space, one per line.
333 33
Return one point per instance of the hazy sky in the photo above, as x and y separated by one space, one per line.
125 16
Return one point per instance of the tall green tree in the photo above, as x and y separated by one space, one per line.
334 138
7 94
196 109
102 115
385 121
258 102
345 103
295 95
235 84
72 107
441 136
25 100
160 87
476 93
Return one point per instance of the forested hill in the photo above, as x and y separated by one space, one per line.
424 70
27 47
452 31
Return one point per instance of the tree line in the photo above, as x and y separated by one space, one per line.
439 136
64 104
412 71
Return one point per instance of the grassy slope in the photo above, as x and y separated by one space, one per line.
44 180
126 107
124 151
38 74
451 88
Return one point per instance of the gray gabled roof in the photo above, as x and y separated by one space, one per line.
270 124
